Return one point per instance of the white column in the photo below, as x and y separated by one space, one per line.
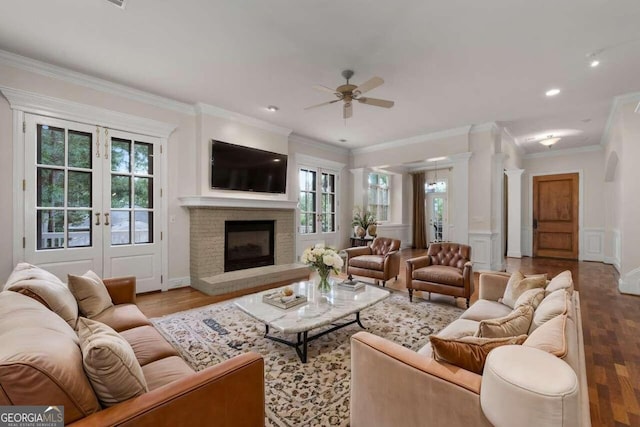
360 186
514 212
497 220
459 228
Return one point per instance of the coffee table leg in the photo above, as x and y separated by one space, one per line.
304 346
266 330
358 320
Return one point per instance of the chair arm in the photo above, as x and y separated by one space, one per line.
122 290
392 264
419 262
467 276
228 394
357 251
392 385
492 285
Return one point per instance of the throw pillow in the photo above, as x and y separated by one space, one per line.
561 281
532 297
550 337
110 363
90 292
515 323
45 288
519 284
469 353
552 305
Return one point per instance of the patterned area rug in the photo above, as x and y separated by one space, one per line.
297 394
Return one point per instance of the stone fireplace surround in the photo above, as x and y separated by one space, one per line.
207 233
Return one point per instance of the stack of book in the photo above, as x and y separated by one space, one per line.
351 285
279 300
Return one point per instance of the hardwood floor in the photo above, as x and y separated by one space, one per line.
610 320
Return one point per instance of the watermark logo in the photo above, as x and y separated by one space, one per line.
31 416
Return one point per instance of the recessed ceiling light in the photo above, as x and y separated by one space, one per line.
342 140
272 108
552 92
436 159
594 63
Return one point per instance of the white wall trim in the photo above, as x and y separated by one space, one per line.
617 102
630 282
212 110
485 127
593 246
567 152
319 145
485 250
179 282
615 250
307 160
18 194
462 130
30 102
235 202
580 173
60 73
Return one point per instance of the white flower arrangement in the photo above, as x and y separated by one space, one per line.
323 259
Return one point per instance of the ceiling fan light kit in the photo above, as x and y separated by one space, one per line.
347 93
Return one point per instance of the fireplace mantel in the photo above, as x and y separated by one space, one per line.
235 202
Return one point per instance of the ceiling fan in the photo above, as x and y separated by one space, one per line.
349 92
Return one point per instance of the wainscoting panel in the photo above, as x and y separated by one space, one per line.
527 241
614 249
592 244
397 231
485 250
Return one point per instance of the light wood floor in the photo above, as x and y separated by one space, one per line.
611 324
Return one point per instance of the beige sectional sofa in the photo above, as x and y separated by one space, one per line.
539 383
42 362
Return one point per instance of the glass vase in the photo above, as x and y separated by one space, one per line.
324 286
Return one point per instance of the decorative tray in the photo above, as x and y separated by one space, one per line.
281 301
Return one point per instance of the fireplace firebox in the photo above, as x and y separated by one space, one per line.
248 244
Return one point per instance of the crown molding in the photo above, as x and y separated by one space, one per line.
49 70
212 110
485 127
617 102
30 102
462 130
318 162
520 150
317 144
567 152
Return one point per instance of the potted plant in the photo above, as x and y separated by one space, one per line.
363 221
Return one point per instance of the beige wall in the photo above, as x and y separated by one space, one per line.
6 190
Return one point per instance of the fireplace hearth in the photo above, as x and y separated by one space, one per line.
248 244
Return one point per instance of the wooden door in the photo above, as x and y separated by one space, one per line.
555 216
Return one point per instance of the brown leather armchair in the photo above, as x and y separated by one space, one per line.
446 269
380 261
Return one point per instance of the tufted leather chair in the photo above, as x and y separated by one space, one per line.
446 269
380 260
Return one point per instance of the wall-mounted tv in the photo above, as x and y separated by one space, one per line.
235 167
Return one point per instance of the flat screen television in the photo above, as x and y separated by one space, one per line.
235 167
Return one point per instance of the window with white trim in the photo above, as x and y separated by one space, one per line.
379 184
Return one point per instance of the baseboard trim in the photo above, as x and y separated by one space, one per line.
514 254
179 282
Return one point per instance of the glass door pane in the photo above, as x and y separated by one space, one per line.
307 201
328 207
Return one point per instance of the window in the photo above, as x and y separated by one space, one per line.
307 201
436 187
379 195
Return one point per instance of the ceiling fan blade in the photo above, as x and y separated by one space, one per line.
377 102
372 83
320 105
326 89
347 110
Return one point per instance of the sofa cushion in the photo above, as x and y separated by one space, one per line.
550 337
90 292
46 288
165 371
122 317
518 284
369 262
469 353
110 363
440 274
553 305
515 323
459 328
40 361
148 345
486 309
532 297
561 281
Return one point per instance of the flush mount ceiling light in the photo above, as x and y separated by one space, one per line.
272 108
552 92
594 63
549 141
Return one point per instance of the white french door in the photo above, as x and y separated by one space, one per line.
91 198
318 201
437 217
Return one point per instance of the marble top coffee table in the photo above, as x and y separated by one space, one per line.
319 310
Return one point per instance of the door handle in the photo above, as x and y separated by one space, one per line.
106 219
535 223
98 218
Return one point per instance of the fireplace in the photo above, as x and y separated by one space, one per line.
248 244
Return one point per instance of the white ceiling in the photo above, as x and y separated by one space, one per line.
445 63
